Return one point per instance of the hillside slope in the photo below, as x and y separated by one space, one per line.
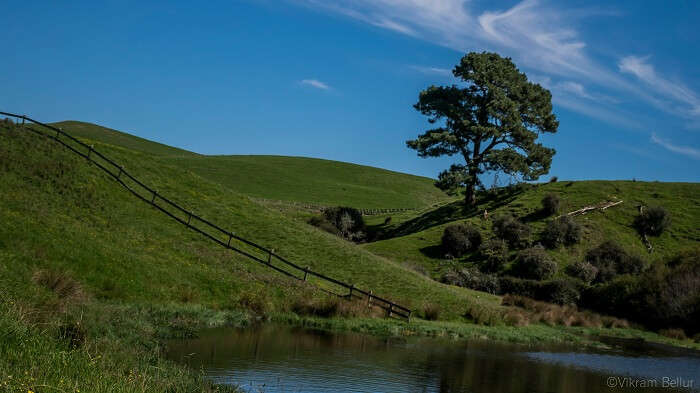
416 237
295 179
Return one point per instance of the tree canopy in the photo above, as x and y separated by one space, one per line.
492 121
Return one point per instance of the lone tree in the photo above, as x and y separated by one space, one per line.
493 122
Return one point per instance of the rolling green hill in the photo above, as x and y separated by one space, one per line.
92 280
297 179
82 260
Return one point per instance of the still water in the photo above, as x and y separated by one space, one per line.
286 359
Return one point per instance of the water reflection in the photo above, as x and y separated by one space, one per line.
283 359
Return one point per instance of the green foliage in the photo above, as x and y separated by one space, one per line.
611 260
346 222
494 253
473 279
498 107
460 239
652 221
560 231
583 271
561 291
551 204
662 297
512 230
535 264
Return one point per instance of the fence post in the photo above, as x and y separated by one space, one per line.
269 256
369 299
155 194
306 272
352 286
90 151
230 236
189 219
121 169
409 316
391 309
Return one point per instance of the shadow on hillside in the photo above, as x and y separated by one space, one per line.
536 215
489 200
434 251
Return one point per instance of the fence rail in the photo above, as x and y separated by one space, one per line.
220 236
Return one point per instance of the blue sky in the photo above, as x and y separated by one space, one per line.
337 79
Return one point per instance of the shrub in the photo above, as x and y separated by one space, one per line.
551 204
562 230
495 254
553 179
677 334
431 312
560 292
346 222
652 221
518 286
534 263
514 232
65 287
612 260
472 279
583 271
459 239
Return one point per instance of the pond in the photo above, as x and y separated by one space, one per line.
274 358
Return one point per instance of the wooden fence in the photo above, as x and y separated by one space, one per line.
213 232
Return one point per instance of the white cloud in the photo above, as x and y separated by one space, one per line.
315 83
540 36
575 88
685 150
432 70
681 94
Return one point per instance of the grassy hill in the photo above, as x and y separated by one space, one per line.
298 179
92 280
415 238
83 260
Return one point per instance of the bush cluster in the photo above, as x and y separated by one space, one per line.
551 204
666 296
559 291
612 260
562 230
346 222
534 263
460 239
514 232
494 253
652 221
473 279
583 271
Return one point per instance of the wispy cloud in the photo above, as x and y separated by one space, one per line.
315 83
686 101
432 70
685 150
539 35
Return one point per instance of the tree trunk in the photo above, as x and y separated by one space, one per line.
469 195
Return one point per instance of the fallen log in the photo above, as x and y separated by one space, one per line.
600 206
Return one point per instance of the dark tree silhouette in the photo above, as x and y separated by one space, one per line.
493 122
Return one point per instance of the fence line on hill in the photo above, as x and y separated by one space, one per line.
319 208
220 236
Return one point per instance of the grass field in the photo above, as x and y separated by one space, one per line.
308 180
92 280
